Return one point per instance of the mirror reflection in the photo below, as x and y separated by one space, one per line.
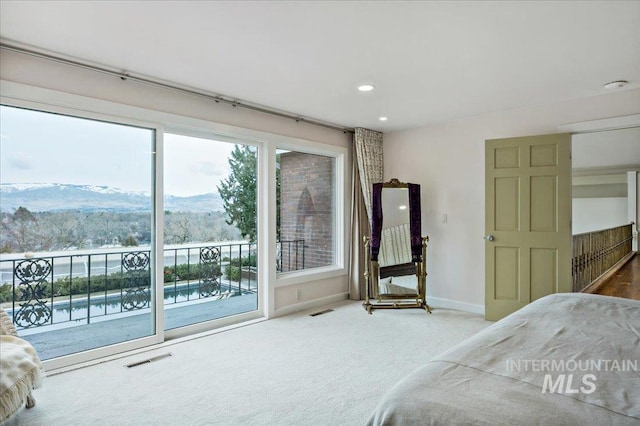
397 274
395 264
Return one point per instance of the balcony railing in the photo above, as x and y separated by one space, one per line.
87 286
290 255
594 253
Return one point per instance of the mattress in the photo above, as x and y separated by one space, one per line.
570 359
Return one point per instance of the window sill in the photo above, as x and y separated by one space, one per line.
292 278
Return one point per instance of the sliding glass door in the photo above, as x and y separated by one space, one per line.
79 250
77 215
210 230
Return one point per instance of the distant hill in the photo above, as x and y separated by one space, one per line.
54 197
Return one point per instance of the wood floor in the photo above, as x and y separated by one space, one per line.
625 283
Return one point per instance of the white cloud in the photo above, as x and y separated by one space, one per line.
208 168
20 161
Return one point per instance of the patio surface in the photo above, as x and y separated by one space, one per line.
57 342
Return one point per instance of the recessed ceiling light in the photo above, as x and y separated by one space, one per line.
615 84
382 118
366 87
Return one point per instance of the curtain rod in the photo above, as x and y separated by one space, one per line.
126 76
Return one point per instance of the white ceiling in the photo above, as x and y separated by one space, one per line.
430 61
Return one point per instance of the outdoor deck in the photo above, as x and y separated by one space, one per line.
52 343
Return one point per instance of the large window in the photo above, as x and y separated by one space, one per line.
120 232
76 213
306 210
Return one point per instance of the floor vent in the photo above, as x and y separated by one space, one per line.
149 360
315 314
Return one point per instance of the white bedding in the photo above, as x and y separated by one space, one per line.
498 376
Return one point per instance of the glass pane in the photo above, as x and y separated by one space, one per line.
210 263
76 210
306 210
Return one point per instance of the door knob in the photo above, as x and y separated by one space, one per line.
489 238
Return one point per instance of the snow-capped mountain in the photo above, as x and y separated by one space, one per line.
55 196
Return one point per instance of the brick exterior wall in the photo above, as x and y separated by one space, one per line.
307 188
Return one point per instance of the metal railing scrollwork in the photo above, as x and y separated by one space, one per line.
210 271
138 278
83 285
34 276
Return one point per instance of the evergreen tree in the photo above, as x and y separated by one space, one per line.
238 191
130 241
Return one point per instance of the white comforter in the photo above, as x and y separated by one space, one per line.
565 359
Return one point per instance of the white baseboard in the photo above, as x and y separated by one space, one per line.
310 304
437 302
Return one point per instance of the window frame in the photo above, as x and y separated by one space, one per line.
157 229
211 134
339 154
53 101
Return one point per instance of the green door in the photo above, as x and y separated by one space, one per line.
527 221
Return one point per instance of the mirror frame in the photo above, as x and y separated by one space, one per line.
373 298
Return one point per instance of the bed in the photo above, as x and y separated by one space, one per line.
570 359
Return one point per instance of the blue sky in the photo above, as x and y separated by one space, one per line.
39 147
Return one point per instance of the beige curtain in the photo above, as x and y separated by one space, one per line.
367 170
368 146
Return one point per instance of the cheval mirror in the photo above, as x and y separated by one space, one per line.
396 252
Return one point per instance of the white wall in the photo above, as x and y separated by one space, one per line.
594 214
600 201
448 161
56 76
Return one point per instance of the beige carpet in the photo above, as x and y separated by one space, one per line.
329 369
